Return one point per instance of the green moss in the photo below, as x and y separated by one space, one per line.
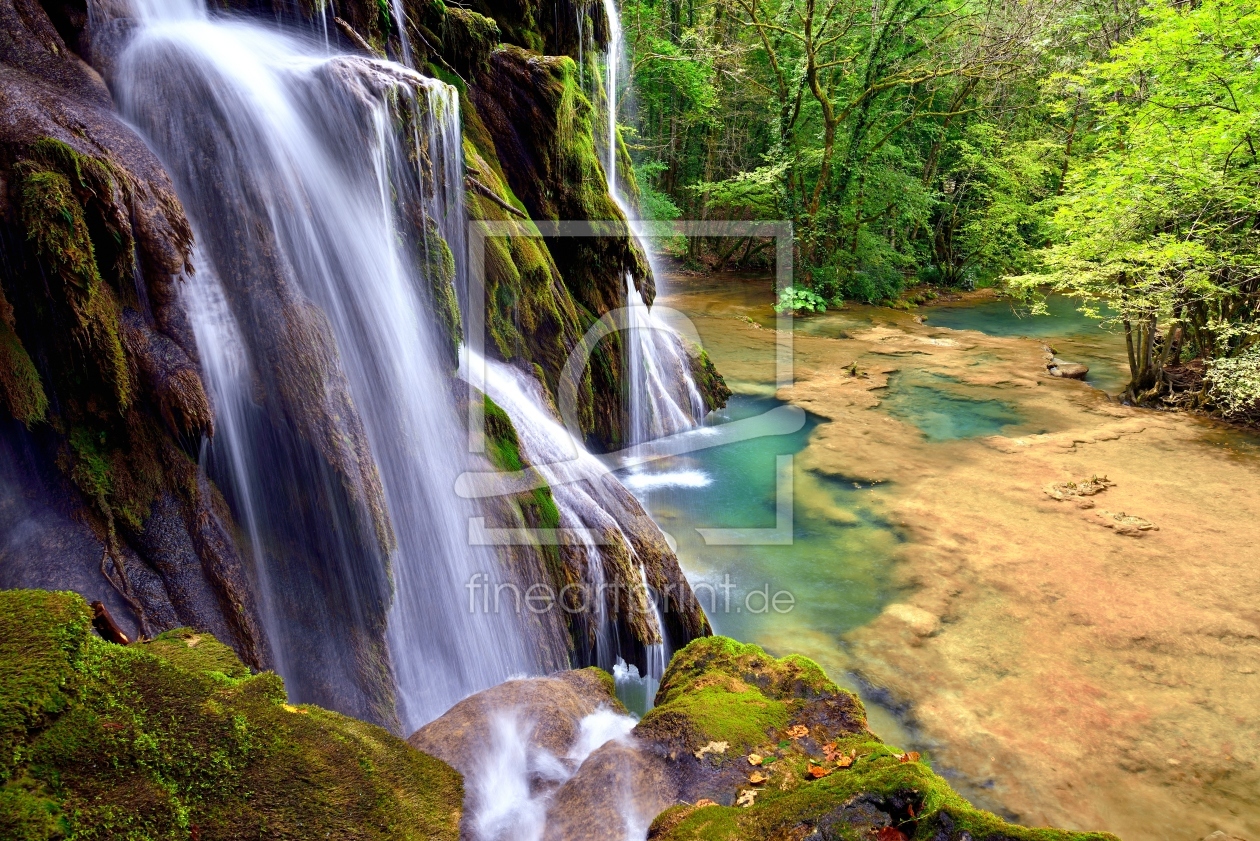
41 638
728 713
57 189
21 390
882 775
439 268
56 225
734 692
605 678
530 314
175 738
709 381
502 445
702 659
468 39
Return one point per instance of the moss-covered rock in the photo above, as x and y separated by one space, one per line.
780 751
176 739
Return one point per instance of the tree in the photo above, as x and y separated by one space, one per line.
1157 229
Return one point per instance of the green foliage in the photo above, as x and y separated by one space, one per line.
1157 224
175 739
798 300
1234 383
654 205
894 136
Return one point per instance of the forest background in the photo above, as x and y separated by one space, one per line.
1101 149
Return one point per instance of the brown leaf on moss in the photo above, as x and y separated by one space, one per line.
797 731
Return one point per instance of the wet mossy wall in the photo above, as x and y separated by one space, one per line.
97 361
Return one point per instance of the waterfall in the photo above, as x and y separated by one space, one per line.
595 508
513 780
312 305
662 393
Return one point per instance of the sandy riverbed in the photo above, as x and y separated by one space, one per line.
1070 666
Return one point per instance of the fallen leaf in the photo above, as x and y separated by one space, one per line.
757 777
712 747
704 801
890 833
746 797
912 756
797 731
755 759
818 772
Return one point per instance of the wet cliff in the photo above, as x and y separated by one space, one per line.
106 411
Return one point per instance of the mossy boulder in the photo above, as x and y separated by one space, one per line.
758 747
177 739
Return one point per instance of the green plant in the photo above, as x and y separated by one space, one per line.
1234 384
797 300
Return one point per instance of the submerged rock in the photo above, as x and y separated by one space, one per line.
176 738
1068 370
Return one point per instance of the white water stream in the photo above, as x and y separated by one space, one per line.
288 163
592 503
663 396
513 780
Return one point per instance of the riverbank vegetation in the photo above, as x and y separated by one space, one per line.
1106 151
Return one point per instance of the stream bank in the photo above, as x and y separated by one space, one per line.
1089 662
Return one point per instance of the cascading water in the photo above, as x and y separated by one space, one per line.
512 781
593 507
312 306
663 397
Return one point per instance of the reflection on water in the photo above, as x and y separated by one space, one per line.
942 408
1074 336
832 578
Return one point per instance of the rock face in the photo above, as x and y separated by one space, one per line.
99 366
175 738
